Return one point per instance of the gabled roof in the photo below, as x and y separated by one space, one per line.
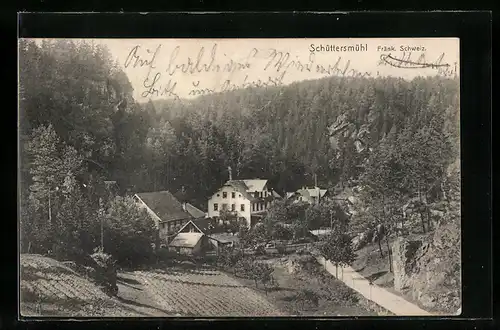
204 225
194 212
164 205
224 238
241 187
312 192
320 232
188 240
255 184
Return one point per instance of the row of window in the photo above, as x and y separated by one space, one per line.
255 207
257 194
233 207
259 206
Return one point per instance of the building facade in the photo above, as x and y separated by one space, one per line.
311 195
168 214
241 198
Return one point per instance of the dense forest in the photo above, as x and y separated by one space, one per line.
80 126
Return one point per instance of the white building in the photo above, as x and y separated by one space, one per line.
309 195
244 198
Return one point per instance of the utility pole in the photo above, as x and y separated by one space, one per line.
102 226
50 211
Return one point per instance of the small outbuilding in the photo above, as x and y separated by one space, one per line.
190 243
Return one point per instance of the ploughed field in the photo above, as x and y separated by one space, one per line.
49 288
203 293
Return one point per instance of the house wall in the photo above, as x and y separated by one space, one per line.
238 200
169 228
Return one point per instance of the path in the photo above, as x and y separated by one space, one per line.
378 295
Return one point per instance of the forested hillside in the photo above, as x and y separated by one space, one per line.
327 127
79 126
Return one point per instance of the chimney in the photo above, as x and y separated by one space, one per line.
230 172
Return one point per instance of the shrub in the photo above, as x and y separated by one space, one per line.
105 272
309 296
281 248
260 250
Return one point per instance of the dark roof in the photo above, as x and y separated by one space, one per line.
204 224
194 212
241 187
164 205
224 238
182 195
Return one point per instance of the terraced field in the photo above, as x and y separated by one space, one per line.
204 293
49 288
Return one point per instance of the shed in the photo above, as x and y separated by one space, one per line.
190 243
224 239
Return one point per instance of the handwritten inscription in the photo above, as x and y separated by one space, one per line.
408 61
256 68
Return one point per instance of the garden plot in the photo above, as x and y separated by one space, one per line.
210 293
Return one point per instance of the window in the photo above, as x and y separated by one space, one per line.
224 207
233 195
242 207
216 207
253 206
240 195
218 195
233 207
256 194
224 194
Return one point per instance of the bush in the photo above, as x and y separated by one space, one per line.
260 250
309 296
105 272
163 255
281 248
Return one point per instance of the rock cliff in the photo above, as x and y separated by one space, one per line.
428 268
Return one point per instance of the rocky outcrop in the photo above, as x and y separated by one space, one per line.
427 269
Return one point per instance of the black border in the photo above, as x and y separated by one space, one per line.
474 31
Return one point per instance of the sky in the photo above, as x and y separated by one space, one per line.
186 68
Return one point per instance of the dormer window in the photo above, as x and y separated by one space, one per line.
224 194
233 195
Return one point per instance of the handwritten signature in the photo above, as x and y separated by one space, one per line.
406 61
